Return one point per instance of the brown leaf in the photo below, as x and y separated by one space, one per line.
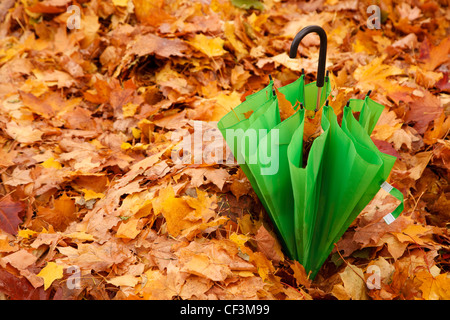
19 288
152 44
205 175
269 245
9 214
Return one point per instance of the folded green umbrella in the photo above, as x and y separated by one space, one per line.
312 206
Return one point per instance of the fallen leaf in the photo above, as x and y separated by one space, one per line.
128 229
152 44
9 214
62 213
212 47
354 284
125 280
286 109
436 55
268 245
50 273
434 287
23 133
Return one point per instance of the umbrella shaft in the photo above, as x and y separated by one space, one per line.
319 94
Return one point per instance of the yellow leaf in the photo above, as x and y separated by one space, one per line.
136 132
26 233
413 233
264 265
434 287
239 239
80 236
212 47
385 131
225 103
174 211
136 202
245 274
204 205
97 144
125 146
50 273
375 75
89 194
238 46
129 109
358 46
51 163
120 3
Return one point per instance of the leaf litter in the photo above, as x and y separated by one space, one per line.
87 120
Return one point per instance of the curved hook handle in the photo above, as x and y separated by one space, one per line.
322 53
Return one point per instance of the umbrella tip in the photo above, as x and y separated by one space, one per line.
368 93
270 77
327 74
303 71
326 102
348 103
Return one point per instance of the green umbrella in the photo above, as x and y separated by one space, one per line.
243 133
311 206
343 173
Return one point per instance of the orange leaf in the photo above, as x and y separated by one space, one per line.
286 109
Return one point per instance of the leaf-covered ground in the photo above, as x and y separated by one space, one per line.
92 205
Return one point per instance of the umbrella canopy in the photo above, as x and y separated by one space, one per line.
310 205
249 131
343 173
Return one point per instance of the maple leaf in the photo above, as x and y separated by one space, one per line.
23 133
434 287
152 12
286 108
152 44
91 111
128 229
62 213
212 47
125 280
424 110
354 286
202 176
19 288
9 214
375 75
50 273
268 245
436 55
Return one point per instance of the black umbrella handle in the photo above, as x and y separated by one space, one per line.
322 53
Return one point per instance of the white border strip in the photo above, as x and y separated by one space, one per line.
386 187
389 218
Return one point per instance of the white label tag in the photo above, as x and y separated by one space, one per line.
386 187
389 218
